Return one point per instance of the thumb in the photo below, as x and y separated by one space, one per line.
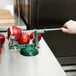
65 30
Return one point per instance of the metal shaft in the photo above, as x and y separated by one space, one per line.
53 29
41 30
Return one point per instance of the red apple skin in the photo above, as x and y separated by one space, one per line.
24 39
0 50
39 37
9 33
2 40
34 40
17 32
32 37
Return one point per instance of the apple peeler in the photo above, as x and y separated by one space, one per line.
29 49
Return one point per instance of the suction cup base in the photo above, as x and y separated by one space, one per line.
29 52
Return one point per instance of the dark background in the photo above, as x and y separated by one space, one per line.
53 14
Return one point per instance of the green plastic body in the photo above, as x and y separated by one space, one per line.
27 49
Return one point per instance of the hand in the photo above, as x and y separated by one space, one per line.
69 27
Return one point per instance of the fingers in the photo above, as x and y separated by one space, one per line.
65 30
65 27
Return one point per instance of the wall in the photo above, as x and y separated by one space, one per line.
7 4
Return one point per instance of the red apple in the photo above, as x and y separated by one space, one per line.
16 31
39 37
2 39
34 40
24 39
0 51
32 37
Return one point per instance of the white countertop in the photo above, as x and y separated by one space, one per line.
12 63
